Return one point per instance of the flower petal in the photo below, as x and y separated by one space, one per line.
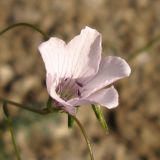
111 69
51 87
52 52
85 53
106 97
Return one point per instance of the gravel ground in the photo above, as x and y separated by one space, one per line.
125 25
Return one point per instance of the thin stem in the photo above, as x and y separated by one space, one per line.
26 25
29 108
85 136
46 111
10 125
144 48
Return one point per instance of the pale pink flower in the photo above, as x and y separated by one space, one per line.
76 74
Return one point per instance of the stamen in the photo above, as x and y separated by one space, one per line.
80 84
79 93
68 88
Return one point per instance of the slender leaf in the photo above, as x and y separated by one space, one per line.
100 117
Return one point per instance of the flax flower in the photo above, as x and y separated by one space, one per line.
77 75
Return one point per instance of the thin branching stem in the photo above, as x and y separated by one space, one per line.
29 108
43 111
25 25
39 111
47 111
10 125
85 136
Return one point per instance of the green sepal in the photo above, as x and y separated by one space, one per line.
70 121
50 106
100 117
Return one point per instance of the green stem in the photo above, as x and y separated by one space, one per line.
43 111
29 108
39 111
26 25
10 125
46 111
85 136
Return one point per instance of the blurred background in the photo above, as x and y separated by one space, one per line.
126 26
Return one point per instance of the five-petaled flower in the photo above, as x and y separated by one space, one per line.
76 73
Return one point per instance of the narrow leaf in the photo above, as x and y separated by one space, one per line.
100 117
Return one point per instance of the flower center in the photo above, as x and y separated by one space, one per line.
68 88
